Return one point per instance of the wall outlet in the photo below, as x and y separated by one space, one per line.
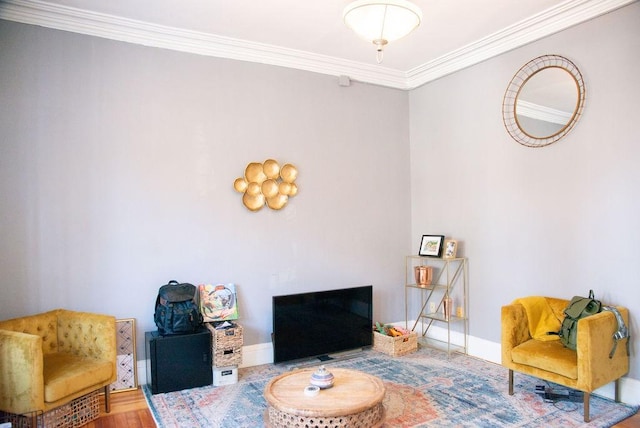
432 307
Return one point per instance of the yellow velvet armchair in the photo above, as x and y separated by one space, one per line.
585 369
49 359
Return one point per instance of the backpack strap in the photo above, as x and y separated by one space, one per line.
621 333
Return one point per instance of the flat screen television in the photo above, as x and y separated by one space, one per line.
317 324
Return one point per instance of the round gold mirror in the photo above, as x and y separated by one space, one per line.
543 101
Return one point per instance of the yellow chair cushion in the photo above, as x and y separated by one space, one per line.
551 356
65 374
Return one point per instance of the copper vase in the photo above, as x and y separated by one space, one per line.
424 275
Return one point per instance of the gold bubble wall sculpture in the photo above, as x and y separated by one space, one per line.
267 183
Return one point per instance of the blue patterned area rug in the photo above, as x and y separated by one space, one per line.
423 389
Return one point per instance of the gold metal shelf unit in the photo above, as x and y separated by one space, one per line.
443 299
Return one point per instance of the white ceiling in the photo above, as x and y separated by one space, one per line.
310 34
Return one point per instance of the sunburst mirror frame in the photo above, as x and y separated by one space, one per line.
523 75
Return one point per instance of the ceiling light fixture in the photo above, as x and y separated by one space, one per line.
381 22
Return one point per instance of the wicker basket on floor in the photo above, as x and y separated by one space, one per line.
395 346
74 414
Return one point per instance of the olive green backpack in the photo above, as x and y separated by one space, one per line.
579 307
582 307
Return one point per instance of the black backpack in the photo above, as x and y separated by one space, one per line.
176 311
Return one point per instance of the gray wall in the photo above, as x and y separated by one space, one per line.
558 220
117 165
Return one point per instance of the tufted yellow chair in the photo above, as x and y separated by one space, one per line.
586 369
49 359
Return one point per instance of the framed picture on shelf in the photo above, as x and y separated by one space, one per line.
431 245
450 249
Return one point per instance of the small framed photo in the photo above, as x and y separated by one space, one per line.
450 249
431 245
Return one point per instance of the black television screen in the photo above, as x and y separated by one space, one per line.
319 323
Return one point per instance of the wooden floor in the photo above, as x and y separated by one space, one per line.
129 410
632 422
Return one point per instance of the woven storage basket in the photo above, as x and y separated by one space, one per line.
227 357
395 346
74 414
226 337
226 346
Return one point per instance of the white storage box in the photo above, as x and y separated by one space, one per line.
225 375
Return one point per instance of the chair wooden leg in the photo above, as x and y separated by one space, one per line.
107 399
617 390
586 406
510 382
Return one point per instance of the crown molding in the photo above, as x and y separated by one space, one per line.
546 23
36 12
80 21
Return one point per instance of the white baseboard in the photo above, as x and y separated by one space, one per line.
142 372
255 355
262 353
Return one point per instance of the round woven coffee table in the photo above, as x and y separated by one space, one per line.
355 400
